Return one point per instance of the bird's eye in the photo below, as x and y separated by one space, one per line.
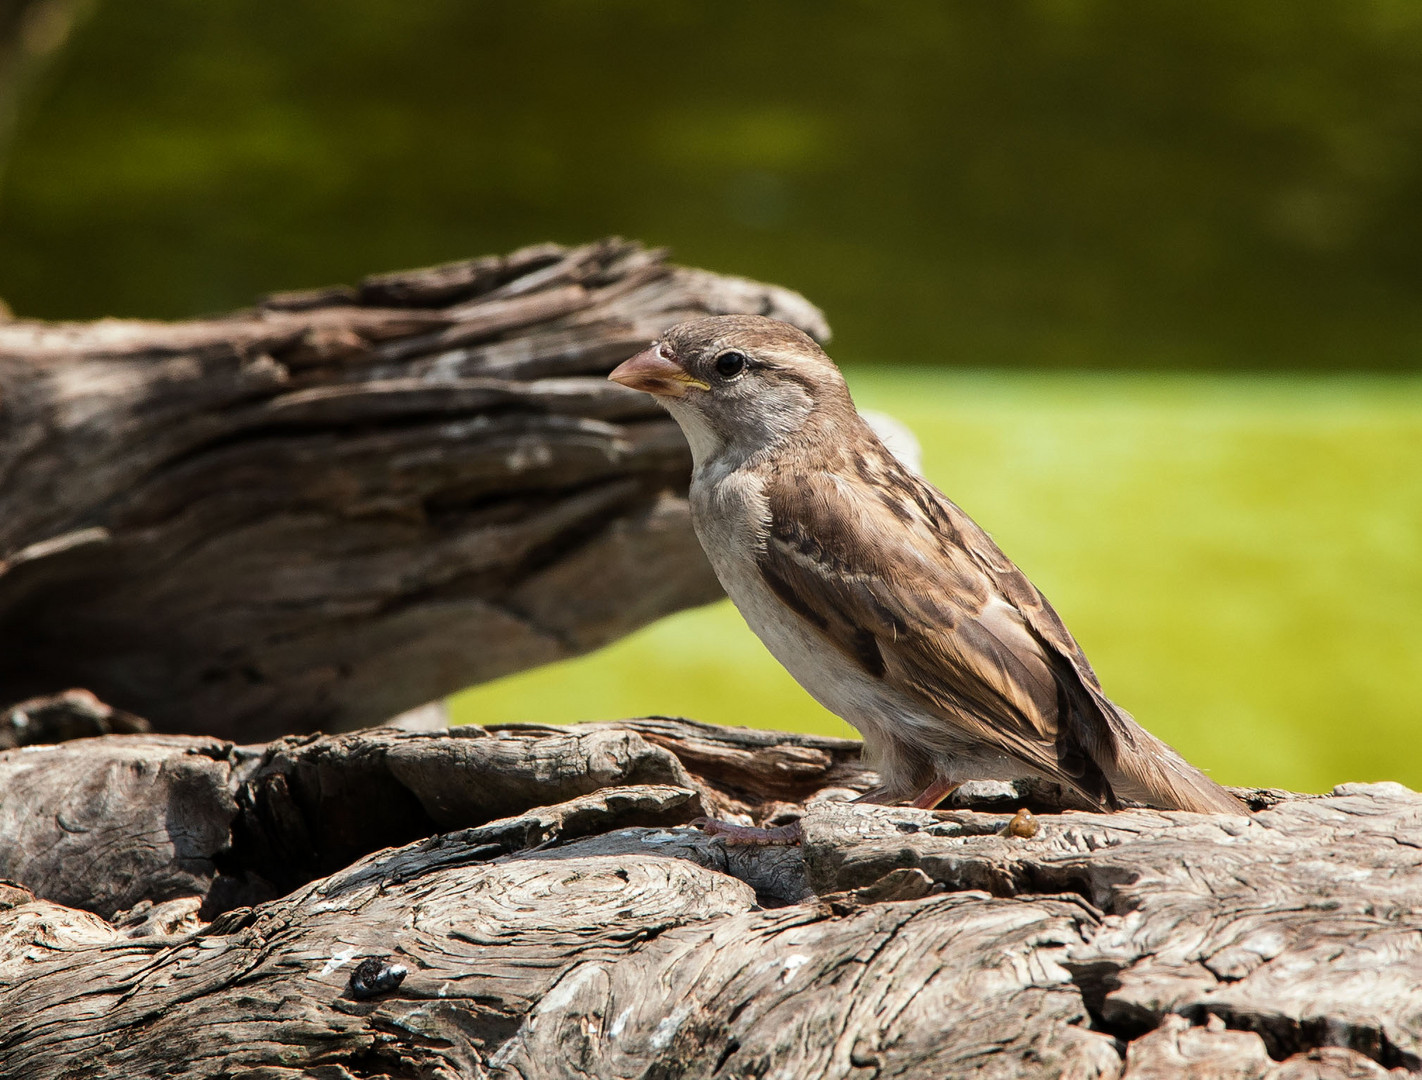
730 364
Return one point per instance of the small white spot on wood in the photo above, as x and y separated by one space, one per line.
447 367
339 959
667 1029
55 545
529 455
615 1030
561 996
792 964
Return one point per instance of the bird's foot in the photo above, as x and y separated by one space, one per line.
933 795
749 834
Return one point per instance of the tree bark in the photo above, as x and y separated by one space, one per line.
528 902
348 502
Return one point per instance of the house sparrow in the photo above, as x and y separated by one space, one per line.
881 597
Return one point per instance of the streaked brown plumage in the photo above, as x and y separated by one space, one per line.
884 599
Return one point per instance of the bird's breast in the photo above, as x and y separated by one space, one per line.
732 520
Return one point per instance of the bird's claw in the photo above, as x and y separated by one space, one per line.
748 834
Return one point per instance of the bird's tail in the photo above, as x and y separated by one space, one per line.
1147 771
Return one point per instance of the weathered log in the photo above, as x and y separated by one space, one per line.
348 502
544 911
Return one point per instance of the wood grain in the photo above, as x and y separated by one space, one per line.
556 917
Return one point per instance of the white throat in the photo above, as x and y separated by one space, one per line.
760 427
705 442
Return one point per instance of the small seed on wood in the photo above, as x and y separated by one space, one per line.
1023 824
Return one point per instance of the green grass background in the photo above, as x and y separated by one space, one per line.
1239 556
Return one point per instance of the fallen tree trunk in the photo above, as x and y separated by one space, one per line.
528 902
348 502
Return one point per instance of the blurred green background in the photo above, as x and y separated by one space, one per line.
1145 279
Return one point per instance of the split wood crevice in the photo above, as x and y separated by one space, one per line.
188 907
348 502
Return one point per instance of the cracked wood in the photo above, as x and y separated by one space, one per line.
348 502
556 917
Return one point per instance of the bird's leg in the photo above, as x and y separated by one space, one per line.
934 794
749 834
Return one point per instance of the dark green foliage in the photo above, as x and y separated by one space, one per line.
1188 183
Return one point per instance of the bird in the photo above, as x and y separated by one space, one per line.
881 597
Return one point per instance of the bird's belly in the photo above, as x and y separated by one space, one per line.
826 674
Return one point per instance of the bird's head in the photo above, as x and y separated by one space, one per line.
739 383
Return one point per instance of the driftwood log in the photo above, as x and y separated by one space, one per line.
348 502
528 902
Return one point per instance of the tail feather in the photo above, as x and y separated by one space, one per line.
1148 771
1137 767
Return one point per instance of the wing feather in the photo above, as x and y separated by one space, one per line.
904 584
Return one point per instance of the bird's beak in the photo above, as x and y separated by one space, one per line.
652 372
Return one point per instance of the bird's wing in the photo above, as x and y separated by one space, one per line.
907 586
1013 586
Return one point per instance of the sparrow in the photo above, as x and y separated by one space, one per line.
882 598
